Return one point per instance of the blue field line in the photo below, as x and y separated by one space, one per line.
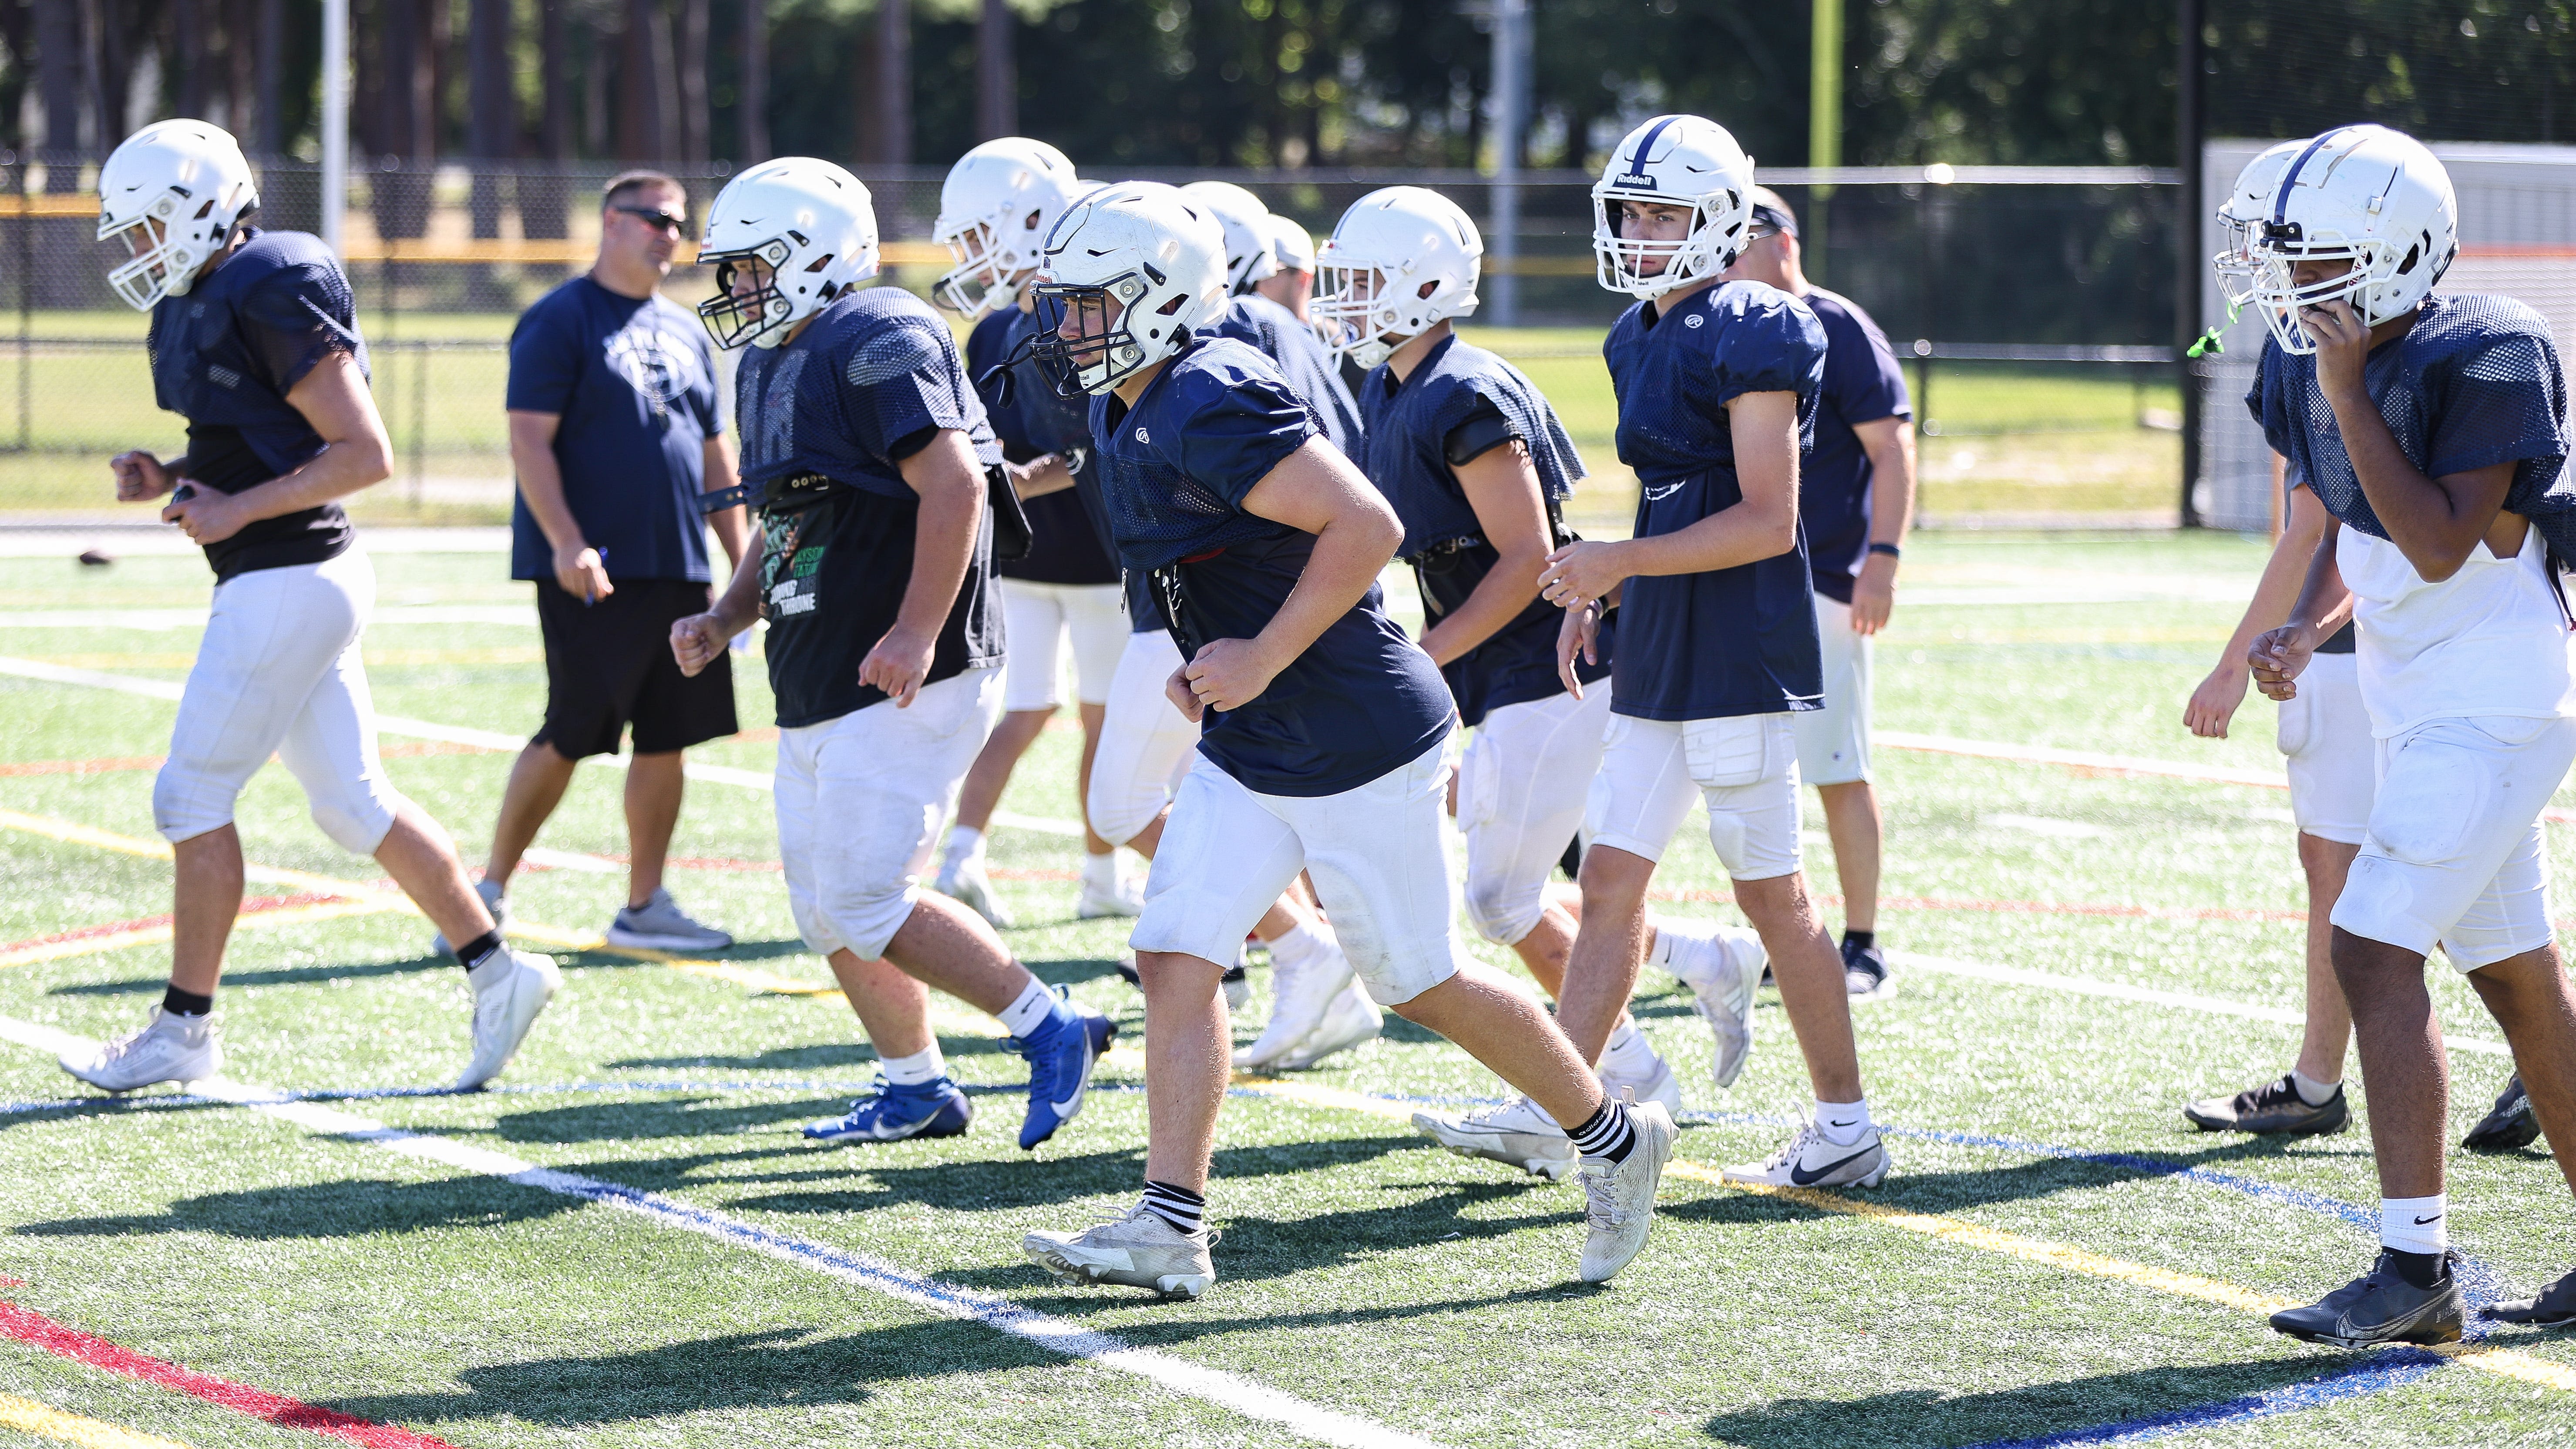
2389 1369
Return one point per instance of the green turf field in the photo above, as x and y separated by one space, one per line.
2058 1258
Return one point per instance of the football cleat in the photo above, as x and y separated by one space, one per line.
1138 1248
1351 1019
660 925
1659 1086
2271 1107
2380 1307
964 882
1303 990
1096 904
1723 969
1061 1051
2508 1125
1810 1160
509 990
891 1113
493 901
1518 1134
165 1048
1619 1197
2551 1306
1865 973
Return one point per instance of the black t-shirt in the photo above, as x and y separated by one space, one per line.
1064 547
226 354
869 382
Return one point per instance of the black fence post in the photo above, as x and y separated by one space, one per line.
2190 136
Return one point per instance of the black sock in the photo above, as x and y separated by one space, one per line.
175 1002
1183 1209
1605 1133
479 950
2420 1270
1860 940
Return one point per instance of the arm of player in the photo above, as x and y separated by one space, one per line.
2275 594
355 454
950 483
699 638
579 570
2325 604
141 477
2433 521
1580 635
1318 491
1889 442
719 474
1039 476
1764 524
1502 486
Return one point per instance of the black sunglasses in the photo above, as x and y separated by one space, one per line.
656 218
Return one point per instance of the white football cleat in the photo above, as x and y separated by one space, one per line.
1302 991
1351 1019
1519 1134
1812 1161
509 990
660 925
1126 898
1659 1086
1619 1197
964 882
1723 970
1138 1248
165 1048
493 901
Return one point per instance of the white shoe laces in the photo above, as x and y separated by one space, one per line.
1797 1146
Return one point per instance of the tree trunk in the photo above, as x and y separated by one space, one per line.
406 91
997 81
691 50
751 109
272 77
58 83
894 83
554 60
190 61
492 120
644 119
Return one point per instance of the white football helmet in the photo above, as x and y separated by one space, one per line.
800 231
994 212
1400 260
2365 195
1131 270
1672 161
2244 208
1292 247
1247 230
172 193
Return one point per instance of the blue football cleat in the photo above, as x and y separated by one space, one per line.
892 1113
1061 1052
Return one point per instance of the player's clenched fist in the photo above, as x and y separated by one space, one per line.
697 640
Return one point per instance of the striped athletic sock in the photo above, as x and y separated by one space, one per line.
1606 1133
1185 1210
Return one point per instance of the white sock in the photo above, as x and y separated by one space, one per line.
1022 1016
964 846
1669 932
1629 1055
1298 945
2312 1091
921 1067
2415 1224
1843 1123
1100 872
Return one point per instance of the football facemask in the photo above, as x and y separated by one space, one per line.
748 306
1083 345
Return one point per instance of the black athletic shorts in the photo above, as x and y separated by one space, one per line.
609 665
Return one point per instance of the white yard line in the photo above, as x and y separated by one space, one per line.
877 1275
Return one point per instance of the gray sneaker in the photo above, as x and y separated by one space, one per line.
1137 1248
660 925
493 901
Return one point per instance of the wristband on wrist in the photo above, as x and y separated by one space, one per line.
1889 549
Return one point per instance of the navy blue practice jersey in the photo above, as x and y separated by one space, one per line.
1174 471
1459 403
1065 545
225 356
871 380
1731 641
1303 360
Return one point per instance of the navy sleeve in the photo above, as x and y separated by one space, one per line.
1779 347
298 316
2263 401
707 403
1863 379
545 361
1481 431
2501 407
1232 439
907 379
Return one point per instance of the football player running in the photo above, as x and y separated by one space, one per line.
1477 467
254 340
1717 385
866 451
1323 730
1254 315
2434 430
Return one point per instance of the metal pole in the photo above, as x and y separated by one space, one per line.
335 120
26 314
1511 122
1824 123
2190 137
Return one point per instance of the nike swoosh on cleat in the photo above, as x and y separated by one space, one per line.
1803 1178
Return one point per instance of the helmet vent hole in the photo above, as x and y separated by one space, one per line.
2414 254
206 210
1170 307
819 263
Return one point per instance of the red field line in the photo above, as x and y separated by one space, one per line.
30 1327
250 907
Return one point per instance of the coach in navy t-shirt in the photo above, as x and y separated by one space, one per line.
616 426
1855 497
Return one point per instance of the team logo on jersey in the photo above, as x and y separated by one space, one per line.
1692 319
1140 436
1658 495
652 366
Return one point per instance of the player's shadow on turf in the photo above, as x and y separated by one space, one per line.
2114 1403
861 1183
777 1368
804 1058
272 976
637 1121
324 1210
1939 1191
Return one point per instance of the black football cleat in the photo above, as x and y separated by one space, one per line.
2553 1305
2506 1126
2380 1307
2274 1107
